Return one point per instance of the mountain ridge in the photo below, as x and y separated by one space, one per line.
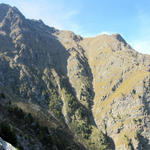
84 84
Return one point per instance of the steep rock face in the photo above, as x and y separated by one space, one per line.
96 88
120 78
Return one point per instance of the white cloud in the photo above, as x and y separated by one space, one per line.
96 34
141 42
53 13
106 32
141 46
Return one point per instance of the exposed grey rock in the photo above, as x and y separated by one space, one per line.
5 145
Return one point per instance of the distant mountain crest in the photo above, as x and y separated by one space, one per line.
3 11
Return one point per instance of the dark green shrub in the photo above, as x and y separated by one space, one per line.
28 118
55 103
16 111
7 132
2 96
134 91
114 88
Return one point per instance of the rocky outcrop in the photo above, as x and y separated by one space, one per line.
5 145
96 89
119 77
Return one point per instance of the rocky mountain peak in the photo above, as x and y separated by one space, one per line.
3 10
119 37
9 12
4 7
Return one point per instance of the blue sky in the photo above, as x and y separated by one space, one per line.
130 18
